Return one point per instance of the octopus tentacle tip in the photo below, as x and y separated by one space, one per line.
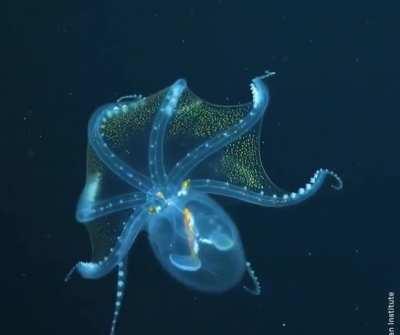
267 74
256 290
130 97
69 274
338 183
337 187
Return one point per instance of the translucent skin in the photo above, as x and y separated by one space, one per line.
191 235
218 263
159 182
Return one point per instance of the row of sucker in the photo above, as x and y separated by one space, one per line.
121 287
260 198
256 290
98 140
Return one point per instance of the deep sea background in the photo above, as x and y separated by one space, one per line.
326 265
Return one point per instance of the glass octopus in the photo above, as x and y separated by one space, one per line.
152 163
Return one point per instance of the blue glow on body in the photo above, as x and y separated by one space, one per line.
191 235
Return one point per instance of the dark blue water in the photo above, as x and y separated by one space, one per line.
326 266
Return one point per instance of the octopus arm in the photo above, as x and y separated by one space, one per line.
107 156
158 174
90 210
275 200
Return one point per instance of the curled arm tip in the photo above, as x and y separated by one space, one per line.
338 183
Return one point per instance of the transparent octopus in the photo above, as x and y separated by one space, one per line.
192 149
